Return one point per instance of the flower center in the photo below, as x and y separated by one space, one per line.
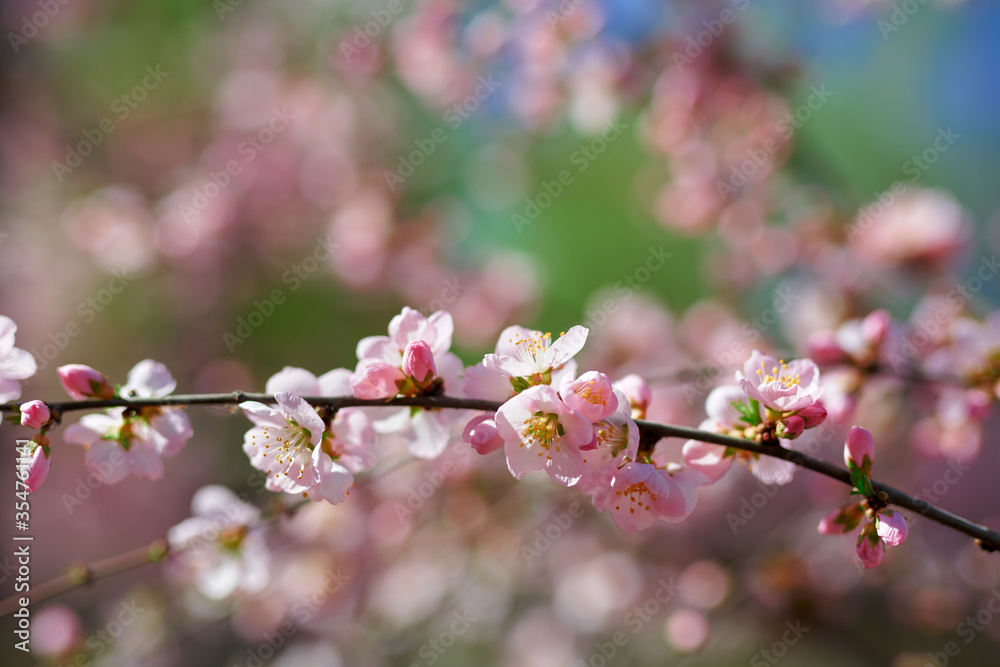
542 429
591 395
779 375
290 445
530 348
637 494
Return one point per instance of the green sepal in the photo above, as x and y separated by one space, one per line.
862 482
520 384
748 413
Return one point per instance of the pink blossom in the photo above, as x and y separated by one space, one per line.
35 414
168 427
541 432
531 355
643 495
219 548
107 459
481 432
291 443
380 374
859 448
83 382
418 362
346 451
481 382
722 417
409 325
712 461
118 445
891 527
282 442
615 442
870 548
638 393
591 395
301 382
707 458
15 364
780 386
921 225
376 379
720 411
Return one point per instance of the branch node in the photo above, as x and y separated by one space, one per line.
79 573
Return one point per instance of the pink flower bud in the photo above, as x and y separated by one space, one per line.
590 395
82 382
791 427
871 549
37 469
875 327
481 433
418 361
375 379
859 446
842 520
814 415
824 349
34 414
891 527
979 404
638 393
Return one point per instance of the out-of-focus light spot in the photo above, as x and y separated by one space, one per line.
704 584
686 630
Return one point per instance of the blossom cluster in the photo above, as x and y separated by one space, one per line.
580 429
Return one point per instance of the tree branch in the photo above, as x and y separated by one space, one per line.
987 539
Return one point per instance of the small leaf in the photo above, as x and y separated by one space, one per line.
748 413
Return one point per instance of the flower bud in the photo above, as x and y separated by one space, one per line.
871 549
824 349
34 474
875 326
418 361
891 527
790 427
842 520
860 446
638 393
34 414
82 382
481 433
814 415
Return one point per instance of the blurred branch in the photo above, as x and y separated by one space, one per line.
79 574
987 539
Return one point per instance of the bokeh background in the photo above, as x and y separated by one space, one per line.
118 120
